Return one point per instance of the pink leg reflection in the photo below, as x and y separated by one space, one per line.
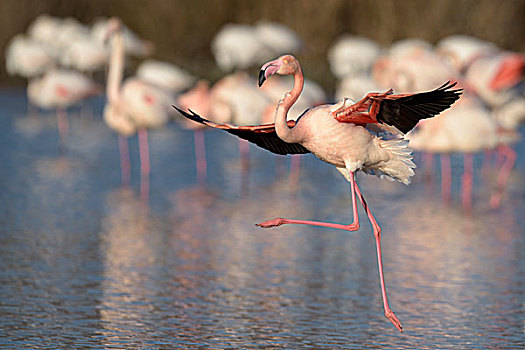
200 155
446 178
467 182
125 167
504 173
144 164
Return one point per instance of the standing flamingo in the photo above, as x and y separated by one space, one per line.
460 51
27 57
133 45
145 104
60 89
350 55
337 134
468 128
165 75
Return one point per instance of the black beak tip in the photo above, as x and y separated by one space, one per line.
262 78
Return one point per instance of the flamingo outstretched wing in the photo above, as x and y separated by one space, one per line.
401 111
263 136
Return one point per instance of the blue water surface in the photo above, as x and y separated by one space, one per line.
86 264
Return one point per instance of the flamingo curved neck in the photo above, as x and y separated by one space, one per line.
281 126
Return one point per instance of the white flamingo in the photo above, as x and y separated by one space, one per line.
133 44
145 104
462 50
60 89
26 57
493 77
279 38
85 54
236 46
165 75
468 128
351 55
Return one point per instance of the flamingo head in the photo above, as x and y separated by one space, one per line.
284 65
114 25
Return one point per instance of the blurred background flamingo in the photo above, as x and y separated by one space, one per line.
146 105
208 260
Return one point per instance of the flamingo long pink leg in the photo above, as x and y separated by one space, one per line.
144 164
354 226
377 234
445 178
467 182
200 155
125 168
63 126
503 176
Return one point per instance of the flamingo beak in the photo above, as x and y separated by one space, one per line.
267 70
262 77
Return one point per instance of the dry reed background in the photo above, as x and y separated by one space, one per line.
183 29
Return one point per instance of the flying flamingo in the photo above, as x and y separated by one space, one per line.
337 134
145 104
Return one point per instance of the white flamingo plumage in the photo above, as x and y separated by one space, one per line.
351 55
413 72
355 87
60 89
133 44
279 38
146 105
165 75
85 54
462 50
493 77
26 57
236 46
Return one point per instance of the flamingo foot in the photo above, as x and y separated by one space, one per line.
271 223
393 318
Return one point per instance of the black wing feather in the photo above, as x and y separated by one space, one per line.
266 139
405 112
269 141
